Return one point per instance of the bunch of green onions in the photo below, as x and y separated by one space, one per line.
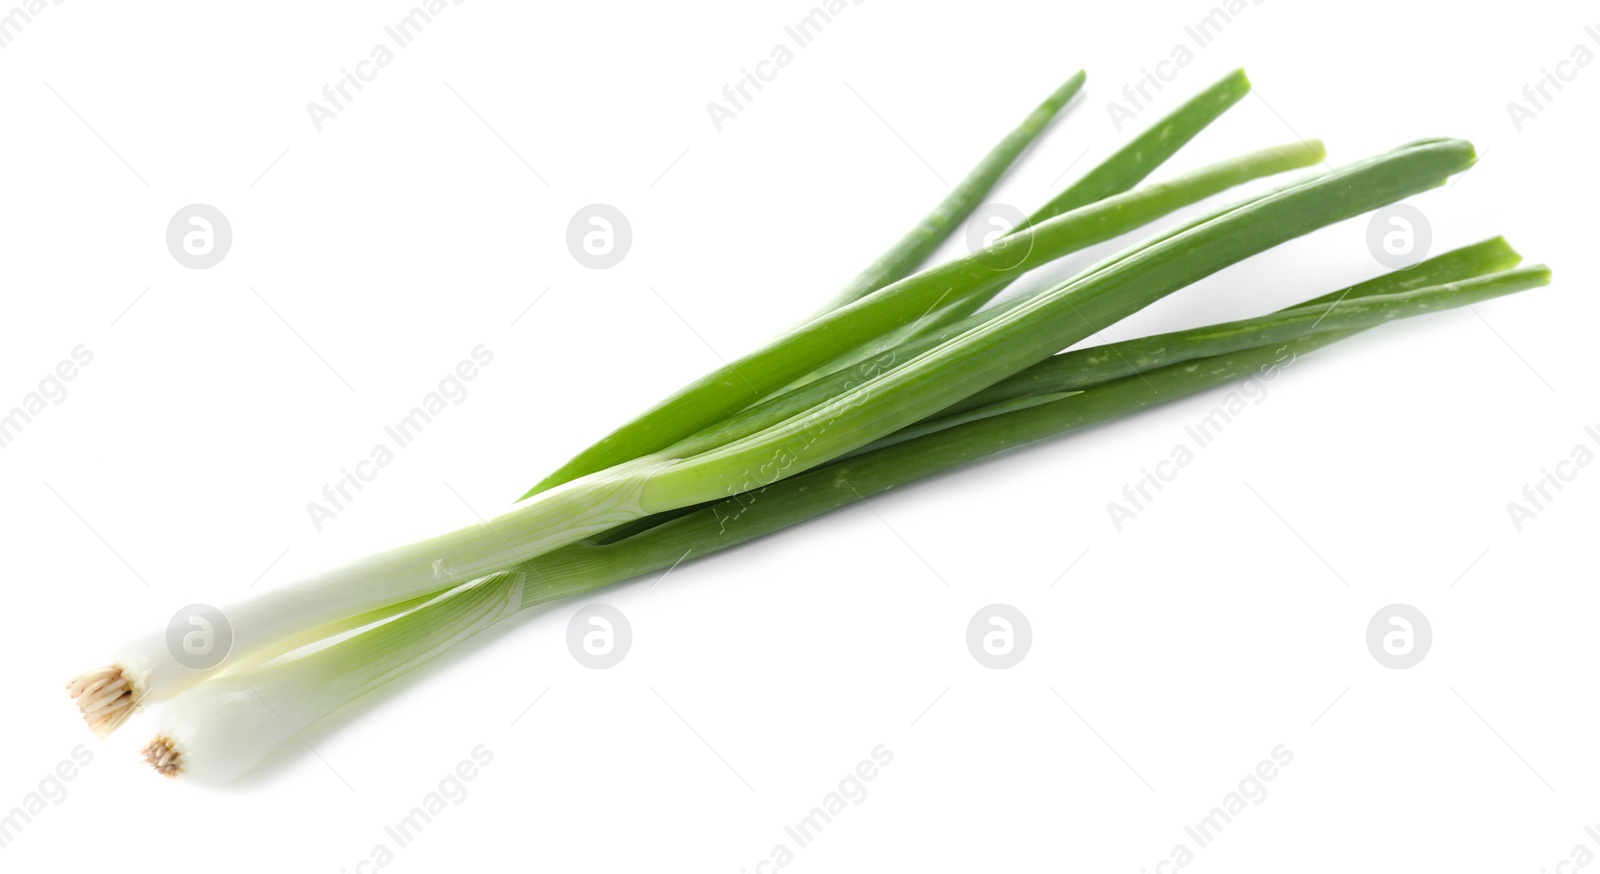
902 375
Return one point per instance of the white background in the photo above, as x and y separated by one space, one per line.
429 215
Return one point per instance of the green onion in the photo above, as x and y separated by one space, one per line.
1034 330
1184 190
987 353
905 374
217 731
666 423
734 386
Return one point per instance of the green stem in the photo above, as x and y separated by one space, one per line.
1069 312
741 518
1184 190
735 386
1127 168
908 254
748 380
1065 374
1359 307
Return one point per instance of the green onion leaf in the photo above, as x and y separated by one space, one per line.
915 247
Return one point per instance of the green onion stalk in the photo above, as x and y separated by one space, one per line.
920 306
218 730
1128 167
664 481
607 497
906 255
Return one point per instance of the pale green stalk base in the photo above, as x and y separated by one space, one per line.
277 621
219 730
